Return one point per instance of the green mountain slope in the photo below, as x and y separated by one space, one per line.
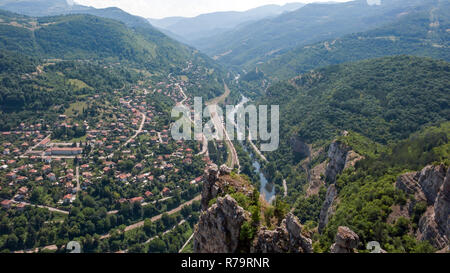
85 36
31 89
368 196
62 7
421 34
383 99
91 37
263 40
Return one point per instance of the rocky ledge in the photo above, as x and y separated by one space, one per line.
430 185
346 241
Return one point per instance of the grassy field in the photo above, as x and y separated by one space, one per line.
75 108
78 84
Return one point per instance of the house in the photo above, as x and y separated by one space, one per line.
44 143
165 191
46 168
148 193
51 177
69 198
123 177
11 175
137 200
20 207
140 178
23 190
197 180
6 204
21 179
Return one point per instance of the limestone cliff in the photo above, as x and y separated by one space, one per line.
287 238
340 157
337 154
327 207
431 185
219 227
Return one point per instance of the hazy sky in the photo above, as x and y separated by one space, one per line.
186 8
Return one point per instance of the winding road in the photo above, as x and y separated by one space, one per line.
157 217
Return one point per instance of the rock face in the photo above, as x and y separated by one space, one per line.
287 238
219 227
341 158
431 185
210 190
327 207
337 154
431 179
346 241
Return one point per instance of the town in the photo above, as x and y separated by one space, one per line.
114 149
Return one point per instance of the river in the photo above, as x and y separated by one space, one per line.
267 189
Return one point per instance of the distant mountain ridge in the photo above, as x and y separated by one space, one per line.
423 33
40 8
260 41
206 25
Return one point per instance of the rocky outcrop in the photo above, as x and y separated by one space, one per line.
217 180
219 227
287 238
337 153
431 185
327 207
346 241
210 189
340 157
225 170
431 179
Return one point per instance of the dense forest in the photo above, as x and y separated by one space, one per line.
367 192
384 99
30 86
413 34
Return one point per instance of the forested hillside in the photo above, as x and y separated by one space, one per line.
31 89
86 37
384 99
260 41
424 33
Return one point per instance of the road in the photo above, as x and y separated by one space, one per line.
77 175
157 217
141 126
256 148
187 242
202 136
45 207
219 125
154 237
139 130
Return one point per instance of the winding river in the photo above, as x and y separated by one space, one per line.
267 189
